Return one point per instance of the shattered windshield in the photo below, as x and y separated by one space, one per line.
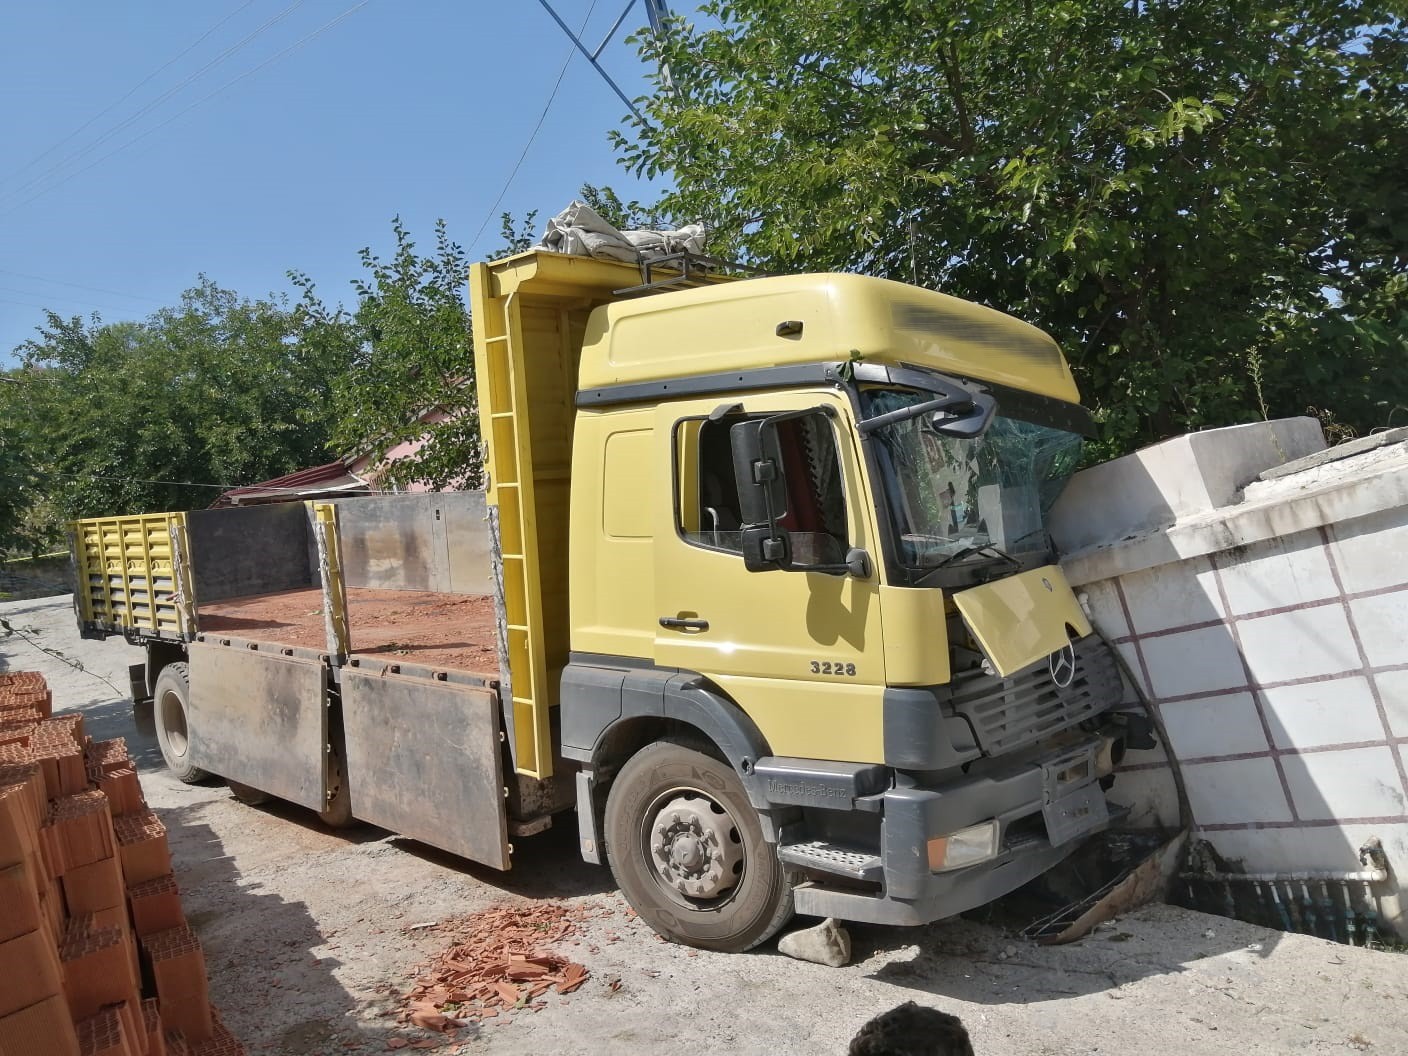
947 496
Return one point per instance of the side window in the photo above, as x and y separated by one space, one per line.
708 510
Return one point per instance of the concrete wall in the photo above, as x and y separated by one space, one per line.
436 541
251 550
1267 621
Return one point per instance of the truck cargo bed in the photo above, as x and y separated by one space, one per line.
446 631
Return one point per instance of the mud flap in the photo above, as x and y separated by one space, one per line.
425 759
261 719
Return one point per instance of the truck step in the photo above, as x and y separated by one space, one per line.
831 858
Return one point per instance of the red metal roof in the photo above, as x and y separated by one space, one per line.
333 478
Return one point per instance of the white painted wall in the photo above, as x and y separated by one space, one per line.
1268 624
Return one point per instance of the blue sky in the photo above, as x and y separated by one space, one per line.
410 107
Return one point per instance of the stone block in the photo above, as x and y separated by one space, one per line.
1227 724
1382 622
828 943
1301 644
1178 478
1173 595
1356 783
1314 714
1393 692
1236 792
1289 570
1369 550
1193 662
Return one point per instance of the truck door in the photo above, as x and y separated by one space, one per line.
800 651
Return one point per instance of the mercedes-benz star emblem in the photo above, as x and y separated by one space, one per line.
1063 665
1047 584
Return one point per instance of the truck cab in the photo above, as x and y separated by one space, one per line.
819 654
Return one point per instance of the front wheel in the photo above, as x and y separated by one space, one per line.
171 701
687 850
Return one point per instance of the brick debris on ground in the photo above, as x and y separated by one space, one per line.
95 955
498 962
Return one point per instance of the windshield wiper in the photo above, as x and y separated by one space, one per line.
991 551
985 548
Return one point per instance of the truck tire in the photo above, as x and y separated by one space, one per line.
170 707
687 850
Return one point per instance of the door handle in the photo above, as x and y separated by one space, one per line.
676 623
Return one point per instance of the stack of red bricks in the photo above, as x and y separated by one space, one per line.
96 958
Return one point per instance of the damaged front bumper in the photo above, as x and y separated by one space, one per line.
1042 809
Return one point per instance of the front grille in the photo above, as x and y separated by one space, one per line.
1011 713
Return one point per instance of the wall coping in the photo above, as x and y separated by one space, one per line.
1323 494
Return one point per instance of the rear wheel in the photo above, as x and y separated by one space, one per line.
170 709
687 850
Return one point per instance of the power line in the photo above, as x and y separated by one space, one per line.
75 285
536 128
142 111
26 304
199 102
53 475
130 92
68 300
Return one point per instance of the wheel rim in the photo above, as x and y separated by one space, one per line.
694 848
173 721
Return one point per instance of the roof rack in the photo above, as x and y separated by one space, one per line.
686 270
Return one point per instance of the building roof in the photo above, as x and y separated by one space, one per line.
331 479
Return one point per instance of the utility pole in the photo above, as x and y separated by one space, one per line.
656 11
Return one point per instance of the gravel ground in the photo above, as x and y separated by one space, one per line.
308 932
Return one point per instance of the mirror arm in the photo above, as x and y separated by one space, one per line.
948 403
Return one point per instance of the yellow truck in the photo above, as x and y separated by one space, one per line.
759 585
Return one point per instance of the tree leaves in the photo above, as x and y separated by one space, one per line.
1169 189
408 387
163 414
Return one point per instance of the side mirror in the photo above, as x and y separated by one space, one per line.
762 500
965 421
757 467
762 494
765 548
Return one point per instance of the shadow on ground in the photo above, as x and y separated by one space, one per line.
547 865
982 961
258 952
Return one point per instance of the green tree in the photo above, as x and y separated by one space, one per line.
410 364
16 466
163 414
518 235
1201 200
624 216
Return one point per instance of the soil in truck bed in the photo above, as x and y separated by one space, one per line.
455 631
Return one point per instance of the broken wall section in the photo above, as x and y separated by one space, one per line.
1256 585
